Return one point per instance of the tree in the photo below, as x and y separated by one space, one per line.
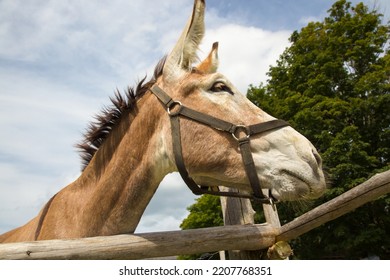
332 84
206 212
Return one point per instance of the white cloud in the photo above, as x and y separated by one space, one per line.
245 53
159 222
167 209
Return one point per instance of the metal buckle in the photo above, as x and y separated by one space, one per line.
175 112
241 128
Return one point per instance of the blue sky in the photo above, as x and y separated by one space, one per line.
61 60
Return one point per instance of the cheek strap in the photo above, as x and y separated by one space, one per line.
176 110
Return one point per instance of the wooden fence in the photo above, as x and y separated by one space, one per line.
236 237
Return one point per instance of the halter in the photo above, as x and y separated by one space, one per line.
241 133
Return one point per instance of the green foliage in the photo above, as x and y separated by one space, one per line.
332 84
206 212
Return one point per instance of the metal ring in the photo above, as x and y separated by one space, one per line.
242 128
177 111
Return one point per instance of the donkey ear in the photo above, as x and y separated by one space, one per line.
184 52
210 64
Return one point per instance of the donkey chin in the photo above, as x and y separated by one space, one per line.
293 187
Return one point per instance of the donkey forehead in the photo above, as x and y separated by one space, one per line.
195 91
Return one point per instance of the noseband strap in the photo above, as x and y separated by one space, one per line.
240 133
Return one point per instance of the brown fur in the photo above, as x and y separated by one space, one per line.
102 200
109 117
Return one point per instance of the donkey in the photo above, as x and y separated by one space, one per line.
188 119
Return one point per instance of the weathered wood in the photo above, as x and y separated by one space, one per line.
368 191
147 245
238 211
280 250
159 244
271 215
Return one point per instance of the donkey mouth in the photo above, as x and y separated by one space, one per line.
296 176
294 187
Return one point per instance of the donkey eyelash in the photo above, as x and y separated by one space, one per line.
221 87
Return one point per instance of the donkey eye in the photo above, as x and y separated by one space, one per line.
220 87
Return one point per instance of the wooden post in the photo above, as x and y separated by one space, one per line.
239 211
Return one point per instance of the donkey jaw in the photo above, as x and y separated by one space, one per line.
291 188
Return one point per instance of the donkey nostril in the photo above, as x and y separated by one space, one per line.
317 158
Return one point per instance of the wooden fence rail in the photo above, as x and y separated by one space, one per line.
370 190
145 245
159 244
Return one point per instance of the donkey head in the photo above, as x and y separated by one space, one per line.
287 164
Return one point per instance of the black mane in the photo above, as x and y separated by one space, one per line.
98 130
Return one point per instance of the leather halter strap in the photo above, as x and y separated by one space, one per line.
176 110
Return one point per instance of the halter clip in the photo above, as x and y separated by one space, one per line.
237 129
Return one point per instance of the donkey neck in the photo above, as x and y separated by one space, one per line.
124 174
